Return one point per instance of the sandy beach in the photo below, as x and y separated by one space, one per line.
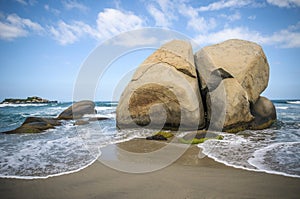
188 177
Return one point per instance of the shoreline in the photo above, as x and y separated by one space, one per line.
187 177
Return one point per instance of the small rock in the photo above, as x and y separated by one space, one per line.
81 122
157 137
98 118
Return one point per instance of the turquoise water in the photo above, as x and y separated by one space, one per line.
70 148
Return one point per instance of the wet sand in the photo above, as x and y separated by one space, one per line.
187 177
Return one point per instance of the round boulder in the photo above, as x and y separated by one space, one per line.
77 110
264 113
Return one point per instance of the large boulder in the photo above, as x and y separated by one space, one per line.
163 92
77 110
244 60
264 112
228 107
35 125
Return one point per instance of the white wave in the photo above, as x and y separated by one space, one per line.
109 116
52 175
259 157
63 150
236 151
22 105
104 108
282 107
293 102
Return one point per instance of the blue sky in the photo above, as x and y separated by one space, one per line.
43 44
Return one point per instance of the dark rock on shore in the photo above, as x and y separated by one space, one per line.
157 137
29 100
77 110
35 125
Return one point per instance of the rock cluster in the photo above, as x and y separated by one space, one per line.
40 124
218 88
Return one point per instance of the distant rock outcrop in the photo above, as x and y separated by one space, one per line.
28 100
163 92
222 94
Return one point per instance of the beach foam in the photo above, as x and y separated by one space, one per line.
293 102
21 105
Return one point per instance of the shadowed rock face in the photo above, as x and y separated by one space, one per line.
264 113
163 92
77 110
143 101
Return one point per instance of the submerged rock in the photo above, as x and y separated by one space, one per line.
98 118
77 110
81 122
40 124
163 92
35 125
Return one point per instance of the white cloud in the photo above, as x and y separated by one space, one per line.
225 4
284 3
136 38
286 38
195 21
110 22
163 12
70 33
159 16
52 10
72 4
234 17
228 33
25 3
14 26
252 17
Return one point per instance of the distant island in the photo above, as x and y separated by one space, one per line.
28 100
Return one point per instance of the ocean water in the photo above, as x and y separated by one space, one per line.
70 148
275 150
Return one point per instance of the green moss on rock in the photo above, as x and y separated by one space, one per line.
198 141
165 134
